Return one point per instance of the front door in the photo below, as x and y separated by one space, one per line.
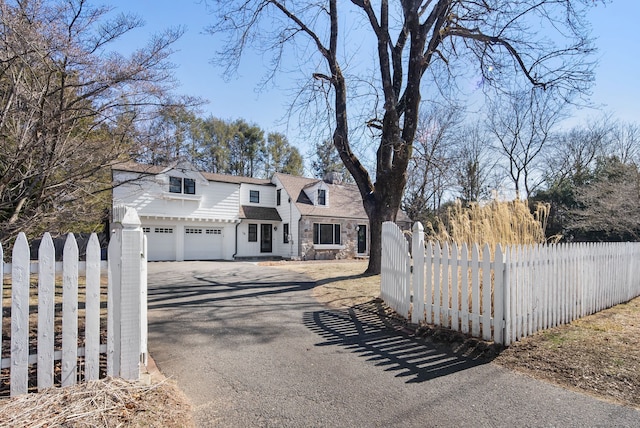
362 238
265 238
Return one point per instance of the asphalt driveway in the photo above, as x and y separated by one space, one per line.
251 348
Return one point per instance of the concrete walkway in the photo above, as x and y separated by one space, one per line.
251 348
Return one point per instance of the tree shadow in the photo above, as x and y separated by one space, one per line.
368 331
330 280
200 290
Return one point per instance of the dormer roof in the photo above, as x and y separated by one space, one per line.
345 198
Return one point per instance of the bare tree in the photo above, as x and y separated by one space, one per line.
625 142
608 206
431 169
573 156
410 41
583 180
522 123
475 167
68 107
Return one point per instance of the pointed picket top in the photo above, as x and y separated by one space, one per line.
486 251
126 216
437 249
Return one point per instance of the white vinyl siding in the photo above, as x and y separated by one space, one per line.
150 196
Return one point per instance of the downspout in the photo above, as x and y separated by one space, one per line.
290 228
234 254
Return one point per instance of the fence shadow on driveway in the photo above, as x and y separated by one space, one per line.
366 330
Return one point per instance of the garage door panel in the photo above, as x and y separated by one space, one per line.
202 243
161 243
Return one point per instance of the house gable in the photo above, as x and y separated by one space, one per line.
343 200
318 193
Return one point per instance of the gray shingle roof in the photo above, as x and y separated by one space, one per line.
259 213
344 199
157 169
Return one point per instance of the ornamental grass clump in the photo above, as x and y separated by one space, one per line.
497 222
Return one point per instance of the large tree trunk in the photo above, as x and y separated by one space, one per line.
379 209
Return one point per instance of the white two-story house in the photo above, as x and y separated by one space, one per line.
192 215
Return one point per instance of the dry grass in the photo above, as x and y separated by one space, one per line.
504 222
339 283
105 403
597 355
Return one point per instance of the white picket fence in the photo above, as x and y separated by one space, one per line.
506 295
125 346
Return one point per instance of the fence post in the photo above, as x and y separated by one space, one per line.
126 293
417 250
144 330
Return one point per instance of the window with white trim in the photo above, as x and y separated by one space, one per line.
326 234
179 185
254 196
253 232
189 186
322 197
175 184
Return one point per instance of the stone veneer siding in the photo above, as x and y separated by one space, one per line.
348 236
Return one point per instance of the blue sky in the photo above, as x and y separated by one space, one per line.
617 85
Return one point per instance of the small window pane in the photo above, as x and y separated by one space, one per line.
326 234
175 184
336 239
253 233
285 233
322 197
316 233
189 186
254 196
278 196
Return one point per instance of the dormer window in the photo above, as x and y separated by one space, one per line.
189 186
254 196
176 185
322 197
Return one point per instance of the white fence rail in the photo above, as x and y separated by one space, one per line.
43 329
510 294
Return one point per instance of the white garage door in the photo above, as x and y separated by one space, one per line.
161 243
202 243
